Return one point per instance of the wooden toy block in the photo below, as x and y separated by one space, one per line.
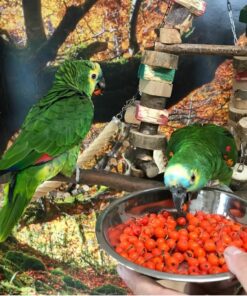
170 36
149 142
160 59
236 114
197 7
239 85
240 63
155 88
179 18
243 126
155 102
130 116
239 100
151 115
136 172
241 76
177 15
155 73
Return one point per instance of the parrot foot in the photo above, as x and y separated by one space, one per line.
77 174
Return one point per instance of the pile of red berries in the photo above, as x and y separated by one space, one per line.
191 245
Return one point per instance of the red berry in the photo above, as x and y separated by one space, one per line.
181 221
150 244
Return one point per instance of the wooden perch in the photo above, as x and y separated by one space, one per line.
202 49
112 180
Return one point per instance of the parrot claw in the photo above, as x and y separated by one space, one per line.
77 174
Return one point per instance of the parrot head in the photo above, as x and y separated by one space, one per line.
81 75
181 178
184 176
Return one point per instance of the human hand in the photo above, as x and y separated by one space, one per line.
237 263
140 284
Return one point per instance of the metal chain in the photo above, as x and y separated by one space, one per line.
128 103
229 8
242 158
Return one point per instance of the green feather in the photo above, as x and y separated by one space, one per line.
56 125
203 151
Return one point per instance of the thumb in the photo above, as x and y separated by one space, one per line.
236 260
142 285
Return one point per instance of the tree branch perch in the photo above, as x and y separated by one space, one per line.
202 49
109 179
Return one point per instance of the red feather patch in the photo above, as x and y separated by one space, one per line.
228 148
43 158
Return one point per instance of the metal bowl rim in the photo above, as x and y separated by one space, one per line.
149 272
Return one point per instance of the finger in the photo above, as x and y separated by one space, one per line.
237 263
141 284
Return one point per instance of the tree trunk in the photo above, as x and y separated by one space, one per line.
133 44
34 24
4 104
48 51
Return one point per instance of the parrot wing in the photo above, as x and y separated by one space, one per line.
210 134
177 138
49 132
224 141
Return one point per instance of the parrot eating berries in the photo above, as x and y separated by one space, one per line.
50 137
196 155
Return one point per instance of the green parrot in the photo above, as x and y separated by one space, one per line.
50 137
196 155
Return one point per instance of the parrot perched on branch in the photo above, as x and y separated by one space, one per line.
50 137
196 155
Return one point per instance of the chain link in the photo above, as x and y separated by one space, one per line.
128 103
229 8
242 159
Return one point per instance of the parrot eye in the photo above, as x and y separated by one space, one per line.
94 76
192 178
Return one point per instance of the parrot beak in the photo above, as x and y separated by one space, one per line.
178 196
100 86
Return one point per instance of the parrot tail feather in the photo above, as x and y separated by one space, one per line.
13 208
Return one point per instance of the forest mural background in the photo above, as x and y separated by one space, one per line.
35 37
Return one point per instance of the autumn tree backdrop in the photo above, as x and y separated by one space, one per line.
35 36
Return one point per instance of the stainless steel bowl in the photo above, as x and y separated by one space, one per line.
154 200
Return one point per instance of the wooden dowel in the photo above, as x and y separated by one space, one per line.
202 49
112 180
